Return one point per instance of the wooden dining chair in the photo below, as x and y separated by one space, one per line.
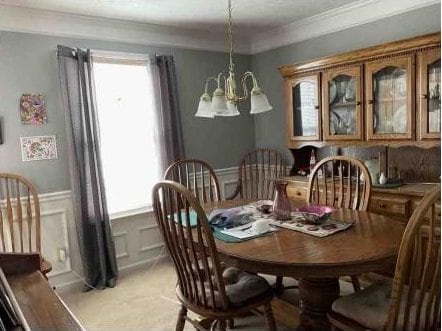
412 300
197 176
203 287
255 170
342 182
20 217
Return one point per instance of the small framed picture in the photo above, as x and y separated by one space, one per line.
32 109
38 148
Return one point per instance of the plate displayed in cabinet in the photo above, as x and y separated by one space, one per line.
400 120
350 92
332 91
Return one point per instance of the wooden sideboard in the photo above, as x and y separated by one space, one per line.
30 297
398 203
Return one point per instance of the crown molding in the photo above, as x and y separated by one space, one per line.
45 22
37 21
342 18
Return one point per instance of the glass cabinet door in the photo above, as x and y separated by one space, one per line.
389 93
429 100
303 101
342 104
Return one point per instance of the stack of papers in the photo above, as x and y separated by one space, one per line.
245 231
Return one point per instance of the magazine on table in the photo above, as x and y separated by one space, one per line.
240 222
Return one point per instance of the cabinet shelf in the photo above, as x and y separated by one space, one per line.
391 99
342 104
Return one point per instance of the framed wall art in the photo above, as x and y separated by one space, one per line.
32 109
38 148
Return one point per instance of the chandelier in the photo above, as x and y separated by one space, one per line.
224 102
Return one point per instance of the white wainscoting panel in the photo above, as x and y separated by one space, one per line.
138 242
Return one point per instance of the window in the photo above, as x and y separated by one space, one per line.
125 106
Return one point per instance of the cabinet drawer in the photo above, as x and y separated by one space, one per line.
297 193
397 206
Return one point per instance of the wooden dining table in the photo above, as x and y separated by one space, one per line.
372 243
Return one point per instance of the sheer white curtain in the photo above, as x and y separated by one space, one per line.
127 89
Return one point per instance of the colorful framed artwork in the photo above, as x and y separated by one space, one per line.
38 148
32 109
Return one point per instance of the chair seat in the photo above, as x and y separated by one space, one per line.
242 286
368 307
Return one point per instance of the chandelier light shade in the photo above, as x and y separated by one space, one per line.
205 107
224 102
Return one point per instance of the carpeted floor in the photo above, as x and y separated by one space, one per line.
142 300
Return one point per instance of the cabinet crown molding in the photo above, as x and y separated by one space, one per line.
395 48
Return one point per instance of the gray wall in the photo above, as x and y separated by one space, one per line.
270 127
28 63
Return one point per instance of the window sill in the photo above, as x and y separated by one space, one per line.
130 212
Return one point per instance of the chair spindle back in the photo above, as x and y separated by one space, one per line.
192 250
256 168
197 176
415 297
19 215
340 184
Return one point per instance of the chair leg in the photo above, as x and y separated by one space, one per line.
271 324
230 323
221 325
356 284
181 319
279 286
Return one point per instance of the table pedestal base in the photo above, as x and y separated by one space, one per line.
317 296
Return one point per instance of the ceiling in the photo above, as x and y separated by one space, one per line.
259 25
251 17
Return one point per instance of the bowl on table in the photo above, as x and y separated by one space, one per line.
315 214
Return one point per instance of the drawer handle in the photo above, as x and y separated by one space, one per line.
298 193
382 205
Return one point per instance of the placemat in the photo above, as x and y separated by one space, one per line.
297 223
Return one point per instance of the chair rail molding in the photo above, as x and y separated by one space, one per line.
138 242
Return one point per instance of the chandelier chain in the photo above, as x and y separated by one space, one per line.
230 32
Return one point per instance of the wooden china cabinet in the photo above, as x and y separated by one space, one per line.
342 104
386 95
303 98
429 94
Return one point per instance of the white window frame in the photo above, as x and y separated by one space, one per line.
121 58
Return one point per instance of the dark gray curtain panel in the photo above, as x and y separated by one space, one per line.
168 112
94 230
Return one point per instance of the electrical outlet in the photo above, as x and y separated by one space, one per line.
62 255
